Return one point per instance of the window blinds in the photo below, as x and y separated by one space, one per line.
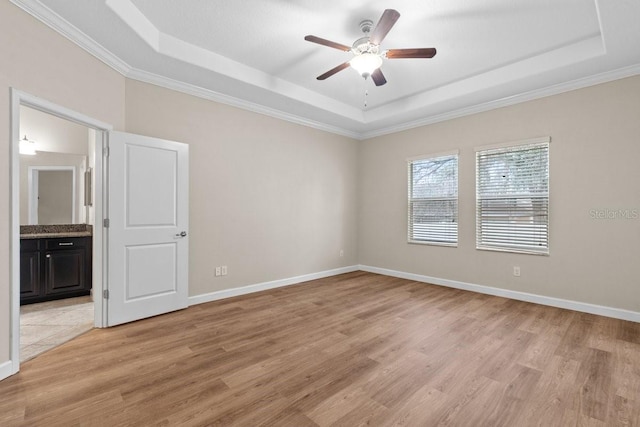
433 200
512 196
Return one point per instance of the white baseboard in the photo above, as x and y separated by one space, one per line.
6 369
616 313
243 290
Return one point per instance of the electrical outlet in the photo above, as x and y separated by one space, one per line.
341 252
516 271
223 270
218 271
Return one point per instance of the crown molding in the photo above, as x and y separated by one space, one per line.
189 89
557 89
62 26
59 24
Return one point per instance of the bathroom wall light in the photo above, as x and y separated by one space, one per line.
27 147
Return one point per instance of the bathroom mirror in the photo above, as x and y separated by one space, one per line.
52 189
52 195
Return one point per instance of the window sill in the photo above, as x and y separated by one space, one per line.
512 250
420 242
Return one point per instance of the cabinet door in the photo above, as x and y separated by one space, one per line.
29 274
65 271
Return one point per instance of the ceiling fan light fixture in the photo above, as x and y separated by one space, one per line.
366 63
368 57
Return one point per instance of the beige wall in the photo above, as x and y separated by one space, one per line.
269 199
37 60
273 200
594 156
53 134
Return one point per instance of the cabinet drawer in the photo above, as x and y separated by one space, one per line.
68 243
29 245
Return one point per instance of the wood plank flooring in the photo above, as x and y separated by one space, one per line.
350 350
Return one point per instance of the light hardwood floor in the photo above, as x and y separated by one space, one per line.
356 349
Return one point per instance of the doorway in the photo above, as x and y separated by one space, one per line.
56 304
91 211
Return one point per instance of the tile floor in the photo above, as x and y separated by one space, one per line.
48 324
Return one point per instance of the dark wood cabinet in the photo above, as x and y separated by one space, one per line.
29 269
54 268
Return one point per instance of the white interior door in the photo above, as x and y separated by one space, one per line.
148 223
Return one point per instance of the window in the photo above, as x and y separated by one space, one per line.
512 197
433 200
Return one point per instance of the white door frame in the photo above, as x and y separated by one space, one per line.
19 98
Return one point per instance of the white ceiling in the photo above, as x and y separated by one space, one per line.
252 53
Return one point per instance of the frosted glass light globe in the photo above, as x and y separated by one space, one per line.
366 63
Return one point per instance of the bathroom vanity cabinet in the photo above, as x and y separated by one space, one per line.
54 268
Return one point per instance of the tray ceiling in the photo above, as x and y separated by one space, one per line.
252 54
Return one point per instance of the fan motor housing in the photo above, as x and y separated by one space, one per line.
363 45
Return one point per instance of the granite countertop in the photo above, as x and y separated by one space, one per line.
53 231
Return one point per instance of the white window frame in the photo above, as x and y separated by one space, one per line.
411 200
514 247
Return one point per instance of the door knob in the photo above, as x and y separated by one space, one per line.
182 234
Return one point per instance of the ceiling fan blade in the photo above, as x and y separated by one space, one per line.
324 42
387 21
332 71
378 77
427 52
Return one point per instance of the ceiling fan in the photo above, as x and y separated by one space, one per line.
368 57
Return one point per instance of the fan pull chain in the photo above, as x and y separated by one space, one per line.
366 94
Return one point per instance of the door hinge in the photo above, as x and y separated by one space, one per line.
105 151
105 223
105 294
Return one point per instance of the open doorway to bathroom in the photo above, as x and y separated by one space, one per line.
57 160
